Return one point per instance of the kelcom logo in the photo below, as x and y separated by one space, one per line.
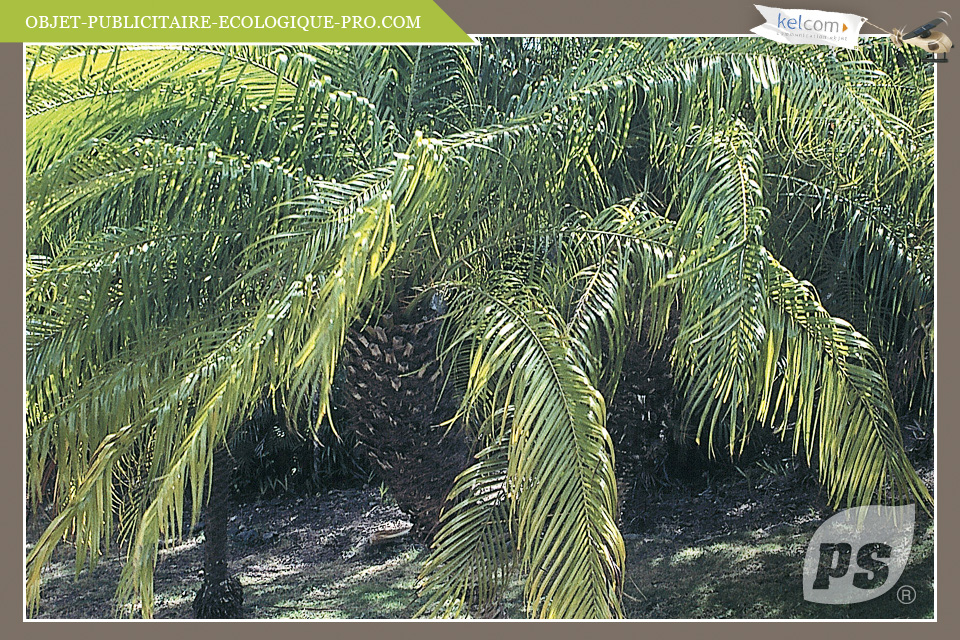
806 26
799 24
858 554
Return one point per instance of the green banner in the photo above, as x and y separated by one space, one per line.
183 21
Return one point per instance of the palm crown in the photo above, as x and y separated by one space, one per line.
207 223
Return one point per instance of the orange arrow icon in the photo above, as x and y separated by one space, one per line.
844 27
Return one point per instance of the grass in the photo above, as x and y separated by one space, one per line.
747 574
737 576
384 588
754 576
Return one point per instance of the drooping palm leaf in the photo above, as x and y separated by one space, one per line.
560 455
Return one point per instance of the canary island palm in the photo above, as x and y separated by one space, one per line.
204 225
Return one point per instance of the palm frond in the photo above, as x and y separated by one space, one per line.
832 379
475 551
567 538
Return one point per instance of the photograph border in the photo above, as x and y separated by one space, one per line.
516 17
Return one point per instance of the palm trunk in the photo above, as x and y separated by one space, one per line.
396 400
220 595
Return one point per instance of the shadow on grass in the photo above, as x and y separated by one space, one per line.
749 576
381 585
741 575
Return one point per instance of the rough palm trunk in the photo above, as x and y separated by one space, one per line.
395 401
220 595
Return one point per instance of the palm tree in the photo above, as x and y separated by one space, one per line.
205 224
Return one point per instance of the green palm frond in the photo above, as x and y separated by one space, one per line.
870 267
609 272
721 329
832 378
280 342
555 422
475 551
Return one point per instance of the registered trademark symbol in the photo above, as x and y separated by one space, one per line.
906 594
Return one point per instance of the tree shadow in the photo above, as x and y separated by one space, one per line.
751 576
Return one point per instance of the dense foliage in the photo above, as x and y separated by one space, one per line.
204 225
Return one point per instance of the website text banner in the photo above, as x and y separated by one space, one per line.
677 17
182 21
